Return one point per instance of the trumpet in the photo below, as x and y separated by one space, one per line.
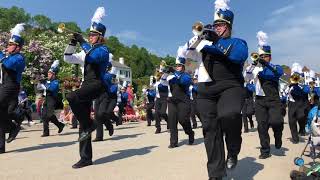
254 56
197 28
62 29
295 78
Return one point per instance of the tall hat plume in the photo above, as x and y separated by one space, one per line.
96 22
16 34
54 67
264 48
181 56
296 68
222 12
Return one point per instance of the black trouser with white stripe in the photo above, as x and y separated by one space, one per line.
48 114
80 102
268 114
178 111
220 115
8 95
161 111
104 107
296 115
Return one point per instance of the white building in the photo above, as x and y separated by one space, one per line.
123 72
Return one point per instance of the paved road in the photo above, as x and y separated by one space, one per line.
134 152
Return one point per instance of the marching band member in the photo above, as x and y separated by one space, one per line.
296 113
193 97
221 60
95 58
161 99
12 64
51 88
104 105
267 106
248 107
150 94
179 101
283 99
122 103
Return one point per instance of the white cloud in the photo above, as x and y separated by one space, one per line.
282 10
295 37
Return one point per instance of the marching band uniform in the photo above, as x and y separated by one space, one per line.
122 104
96 58
248 107
11 67
296 113
193 97
161 101
220 94
179 103
51 93
150 97
104 106
267 105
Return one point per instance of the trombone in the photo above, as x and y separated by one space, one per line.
63 29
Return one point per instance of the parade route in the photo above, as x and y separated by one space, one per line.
134 152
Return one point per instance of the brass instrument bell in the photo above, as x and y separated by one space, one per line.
295 78
62 29
197 28
254 56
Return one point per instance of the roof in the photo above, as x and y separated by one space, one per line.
119 65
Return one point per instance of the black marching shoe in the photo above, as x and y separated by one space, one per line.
158 131
111 130
44 135
264 155
246 131
13 134
231 162
82 164
171 146
191 138
61 128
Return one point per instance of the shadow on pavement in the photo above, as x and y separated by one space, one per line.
45 146
278 152
186 141
123 154
125 136
247 168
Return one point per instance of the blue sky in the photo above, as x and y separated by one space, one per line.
161 26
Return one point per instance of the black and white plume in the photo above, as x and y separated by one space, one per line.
221 4
98 15
55 66
262 38
16 31
296 68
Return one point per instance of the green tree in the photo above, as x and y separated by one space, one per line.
41 21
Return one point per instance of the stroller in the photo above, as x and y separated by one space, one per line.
312 170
